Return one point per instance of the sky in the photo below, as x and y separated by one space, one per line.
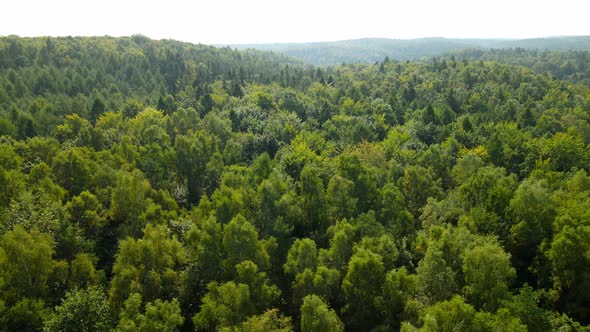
224 22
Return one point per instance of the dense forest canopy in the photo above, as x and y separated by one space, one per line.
160 186
564 65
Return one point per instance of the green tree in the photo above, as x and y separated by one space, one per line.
11 187
565 151
270 320
525 306
502 320
77 131
353 167
383 245
82 310
83 271
488 274
362 287
72 170
342 238
570 271
240 243
263 294
25 315
399 287
149 266
436 280
158 315
98 108
26 270
228 202
533 212
392 204
417 185
274 215
302 255
447 316
316 316
489 188
224 305
36 210
131 108
312 192
340 198
88 212
193 152
28 263
323 282
205 253
129 203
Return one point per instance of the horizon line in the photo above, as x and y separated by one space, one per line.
218 44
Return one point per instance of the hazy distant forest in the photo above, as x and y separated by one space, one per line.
161 186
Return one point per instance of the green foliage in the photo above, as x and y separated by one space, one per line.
270 320
488 274
82 310
500 321
541 54
240 243
263 293
456 315
533 212
436 280
362 288
525 306
451 315
26 314
313 196
193 153
324 282
224 305
27 267
302 255
88 213
210 188
72 170
149 266
158 315
399 287
28 263
417 185
316 316
204 246
229 304
340 197
129 203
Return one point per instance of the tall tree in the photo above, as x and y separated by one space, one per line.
316 316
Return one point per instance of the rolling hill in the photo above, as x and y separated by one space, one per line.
369 50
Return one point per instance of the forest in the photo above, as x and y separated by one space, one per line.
371 50
156 185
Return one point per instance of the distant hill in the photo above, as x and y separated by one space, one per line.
369 50
572 65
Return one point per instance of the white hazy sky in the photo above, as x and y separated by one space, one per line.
265 21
